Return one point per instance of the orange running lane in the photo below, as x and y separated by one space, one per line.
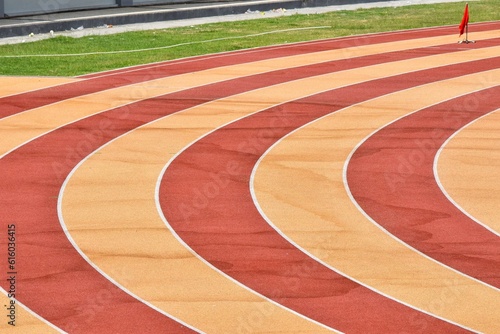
468 168
17 85
391 176
25 322
92 219
11 86
205 197
317 214
93 83
30 199
18 128
60 285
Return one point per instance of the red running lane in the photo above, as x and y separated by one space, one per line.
25 101
391 176
87 301
53 279
11 105
73 296
205 197
319 45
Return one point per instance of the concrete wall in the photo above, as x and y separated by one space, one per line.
28 7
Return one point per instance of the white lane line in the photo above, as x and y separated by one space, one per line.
353 200
443 189
305 251
36 315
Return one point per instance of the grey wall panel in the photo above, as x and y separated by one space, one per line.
20 7
148 2
163 2
28 7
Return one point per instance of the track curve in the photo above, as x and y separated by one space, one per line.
195 144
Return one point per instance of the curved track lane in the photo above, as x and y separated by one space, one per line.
86 300
30 324
391 177
231 234
347 48
468 169
317 214
24 85
49 115
241 83
54 149
155 126
139 74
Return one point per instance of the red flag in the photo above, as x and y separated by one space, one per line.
465 20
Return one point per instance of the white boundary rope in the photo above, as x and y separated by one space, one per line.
164 47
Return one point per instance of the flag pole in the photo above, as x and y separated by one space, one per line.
467 34
466 21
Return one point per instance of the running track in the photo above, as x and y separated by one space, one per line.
346 185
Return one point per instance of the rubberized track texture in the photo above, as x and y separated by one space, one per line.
344 185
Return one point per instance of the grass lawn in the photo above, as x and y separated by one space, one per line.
218 37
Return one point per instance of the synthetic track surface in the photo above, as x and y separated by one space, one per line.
163 198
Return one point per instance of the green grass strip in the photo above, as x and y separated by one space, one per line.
120 50
159 47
